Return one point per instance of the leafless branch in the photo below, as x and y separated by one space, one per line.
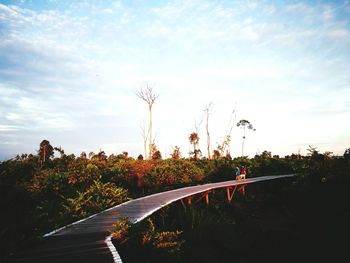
147 94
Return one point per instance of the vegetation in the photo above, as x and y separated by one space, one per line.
289 220
146 237
39 193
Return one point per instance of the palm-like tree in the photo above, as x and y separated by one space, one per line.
245 124
194 140
45 151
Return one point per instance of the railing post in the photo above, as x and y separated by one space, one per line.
189 200
183 205
229 195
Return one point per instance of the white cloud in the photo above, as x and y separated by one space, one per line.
72 74
244 71
249 34
8 128
328 13
339 34
5 8
299 7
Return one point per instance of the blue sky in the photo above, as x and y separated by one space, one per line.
69 71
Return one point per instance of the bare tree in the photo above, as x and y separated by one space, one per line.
147 94
144 137
206 110
197 125
227 137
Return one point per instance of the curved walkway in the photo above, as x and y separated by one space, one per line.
90 240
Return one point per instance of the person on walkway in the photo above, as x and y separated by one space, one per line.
238 173
243 172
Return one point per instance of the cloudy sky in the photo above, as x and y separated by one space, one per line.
69 71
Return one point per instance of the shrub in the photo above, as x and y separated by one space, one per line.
96 198
173 172
145 234
121 230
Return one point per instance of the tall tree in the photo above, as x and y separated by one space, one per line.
206 110
45 151
227 137
145 138
194 140
147 94
244 124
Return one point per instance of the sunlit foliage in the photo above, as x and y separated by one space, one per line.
38 196
173 172
146 235
97 197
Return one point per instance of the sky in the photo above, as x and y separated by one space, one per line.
69 72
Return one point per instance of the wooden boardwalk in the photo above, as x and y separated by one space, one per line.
89 239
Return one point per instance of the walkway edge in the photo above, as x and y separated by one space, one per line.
113 249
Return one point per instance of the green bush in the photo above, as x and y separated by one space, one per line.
96 198
145 235
172 172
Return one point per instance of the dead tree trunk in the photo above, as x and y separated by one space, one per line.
207 109
145 138
147 95
227 137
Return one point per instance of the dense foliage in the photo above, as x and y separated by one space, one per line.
39 193
287 220
146 237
